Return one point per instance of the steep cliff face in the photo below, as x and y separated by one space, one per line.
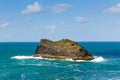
61 50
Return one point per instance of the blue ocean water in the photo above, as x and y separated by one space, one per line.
17 63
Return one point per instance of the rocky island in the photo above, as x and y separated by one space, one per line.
62 49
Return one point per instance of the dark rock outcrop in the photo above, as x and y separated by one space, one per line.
61 50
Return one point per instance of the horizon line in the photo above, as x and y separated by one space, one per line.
39 41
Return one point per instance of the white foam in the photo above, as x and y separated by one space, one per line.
81 60
68 59
25 57
28 57
96 59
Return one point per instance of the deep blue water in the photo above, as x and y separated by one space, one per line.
16 63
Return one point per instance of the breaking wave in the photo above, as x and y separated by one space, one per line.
96 58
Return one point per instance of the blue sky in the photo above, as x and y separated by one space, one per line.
79 20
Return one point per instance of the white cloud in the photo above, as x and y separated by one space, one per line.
81 19
51 28
60 8
4 25
32 8
114 9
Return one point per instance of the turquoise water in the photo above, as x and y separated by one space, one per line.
17 63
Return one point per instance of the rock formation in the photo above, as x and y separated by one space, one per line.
62 49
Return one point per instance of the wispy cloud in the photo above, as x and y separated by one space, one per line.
4 25
5 17
46 29
60 8
80 19
114 9
51 28
32 8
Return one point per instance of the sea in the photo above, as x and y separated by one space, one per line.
17 63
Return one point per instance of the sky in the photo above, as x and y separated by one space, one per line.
78 20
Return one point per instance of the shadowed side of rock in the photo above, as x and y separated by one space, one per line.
62 49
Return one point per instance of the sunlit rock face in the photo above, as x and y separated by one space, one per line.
62 49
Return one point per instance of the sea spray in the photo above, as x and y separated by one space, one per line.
98 59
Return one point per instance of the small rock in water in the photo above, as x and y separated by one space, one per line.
62 49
